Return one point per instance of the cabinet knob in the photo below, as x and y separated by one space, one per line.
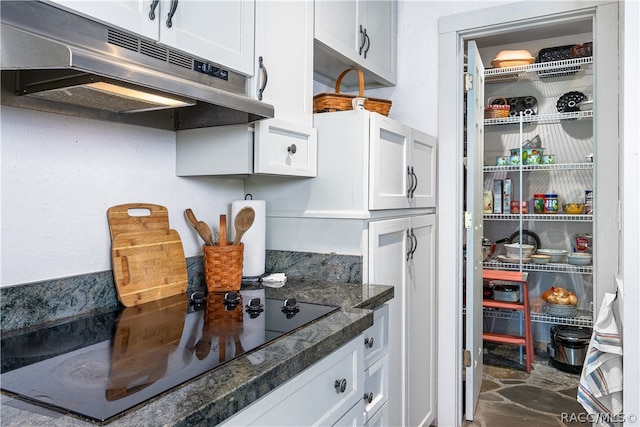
368 397
340 385
292 149
368 342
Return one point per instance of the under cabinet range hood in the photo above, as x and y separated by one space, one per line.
59 62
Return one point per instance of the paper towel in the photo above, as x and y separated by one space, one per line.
254 239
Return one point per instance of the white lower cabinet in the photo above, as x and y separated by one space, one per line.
376 363
320 395
380 418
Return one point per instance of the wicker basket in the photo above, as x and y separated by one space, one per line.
331 102
496 111
223 267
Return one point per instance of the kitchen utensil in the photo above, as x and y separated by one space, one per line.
513 250
513 260
557 255
568 347
540 258
512 58
200 226
244 221
133 217
570 102
148 265
506 293
223 230
527 105
579 258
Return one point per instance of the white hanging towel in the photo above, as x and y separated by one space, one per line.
600 388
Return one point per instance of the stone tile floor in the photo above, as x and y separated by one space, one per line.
510 397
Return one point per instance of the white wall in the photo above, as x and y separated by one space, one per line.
60 175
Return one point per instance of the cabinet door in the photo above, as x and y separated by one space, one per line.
284 44
312 397
378 19
131 16
421 320
422 162
389 176
285 145
336 26
219 31
387 265
284 148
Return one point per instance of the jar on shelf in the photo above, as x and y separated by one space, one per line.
538 203
550 204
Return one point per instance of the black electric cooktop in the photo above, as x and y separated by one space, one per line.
101 365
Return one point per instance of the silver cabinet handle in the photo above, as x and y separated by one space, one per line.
410 176
415 182
414 243
363 37
172 11
340 385
292 149
410 251
368 342
152 11
368 397
366 36
263 69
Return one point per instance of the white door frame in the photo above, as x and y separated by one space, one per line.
454 30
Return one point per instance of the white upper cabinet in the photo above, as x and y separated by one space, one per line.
285 145
218 31
283 77
356 32
402 166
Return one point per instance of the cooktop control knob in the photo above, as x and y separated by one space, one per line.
231 300
290 305
254 308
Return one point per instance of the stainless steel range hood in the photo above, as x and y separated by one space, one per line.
100 72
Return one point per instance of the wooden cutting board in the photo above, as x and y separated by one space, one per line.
133 217
148 265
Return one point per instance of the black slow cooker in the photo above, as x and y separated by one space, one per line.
568 347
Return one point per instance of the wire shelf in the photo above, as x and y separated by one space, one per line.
549 267
535 168
538 70
542 118
584 318
539 217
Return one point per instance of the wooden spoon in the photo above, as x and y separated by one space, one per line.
223 230
244 221
201 227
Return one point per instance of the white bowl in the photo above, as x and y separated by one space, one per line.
557 255
540 258
513 250
579 258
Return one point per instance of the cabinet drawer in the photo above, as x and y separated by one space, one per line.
376 386
283 148
376 338
353 418
380 418
312 397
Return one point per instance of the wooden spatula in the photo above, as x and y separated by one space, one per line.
223 230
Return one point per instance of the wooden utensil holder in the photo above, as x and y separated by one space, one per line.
223 267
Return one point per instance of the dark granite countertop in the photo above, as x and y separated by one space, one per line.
218 394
